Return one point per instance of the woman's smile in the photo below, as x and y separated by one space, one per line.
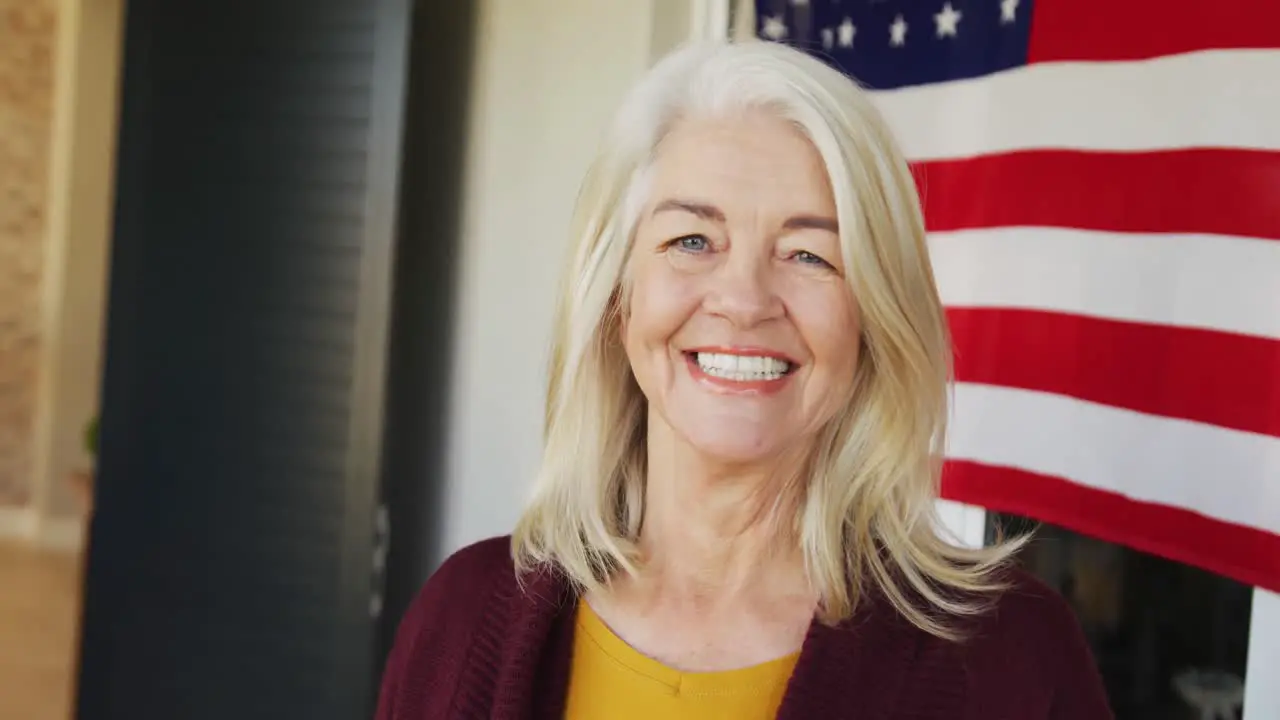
740 370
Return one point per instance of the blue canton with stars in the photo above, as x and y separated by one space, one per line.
886 44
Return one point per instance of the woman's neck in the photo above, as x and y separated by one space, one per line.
713 532
722 581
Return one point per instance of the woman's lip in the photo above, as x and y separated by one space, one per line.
744 351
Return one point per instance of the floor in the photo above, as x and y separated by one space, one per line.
39 608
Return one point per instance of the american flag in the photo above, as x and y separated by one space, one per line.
1101 185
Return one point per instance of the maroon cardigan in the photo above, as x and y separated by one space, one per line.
476 644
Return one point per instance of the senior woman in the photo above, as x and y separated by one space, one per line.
747 398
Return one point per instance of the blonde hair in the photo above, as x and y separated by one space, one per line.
868 509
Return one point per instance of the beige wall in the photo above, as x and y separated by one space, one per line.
82 178
58 100
27 39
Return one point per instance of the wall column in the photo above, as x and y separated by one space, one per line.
80 203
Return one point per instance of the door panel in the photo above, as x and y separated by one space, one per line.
251 277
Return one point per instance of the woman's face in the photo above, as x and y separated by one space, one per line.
742 330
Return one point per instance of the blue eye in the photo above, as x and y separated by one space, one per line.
692 243
808 258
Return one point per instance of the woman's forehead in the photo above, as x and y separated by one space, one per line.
727 165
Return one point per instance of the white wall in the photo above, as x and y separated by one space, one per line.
548 75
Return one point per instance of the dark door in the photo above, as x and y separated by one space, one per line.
231 569
419 374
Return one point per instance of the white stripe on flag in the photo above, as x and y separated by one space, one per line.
1217 98
1203 281
1225 474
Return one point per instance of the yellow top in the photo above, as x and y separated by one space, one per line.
610 680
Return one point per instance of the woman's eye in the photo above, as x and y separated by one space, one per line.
692 243
807 258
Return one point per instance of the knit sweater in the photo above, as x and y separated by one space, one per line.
480 643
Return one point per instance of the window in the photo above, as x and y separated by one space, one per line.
1161 631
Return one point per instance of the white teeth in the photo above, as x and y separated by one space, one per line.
742 368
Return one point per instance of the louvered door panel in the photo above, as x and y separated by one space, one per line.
229 567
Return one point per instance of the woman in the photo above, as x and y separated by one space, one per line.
747 399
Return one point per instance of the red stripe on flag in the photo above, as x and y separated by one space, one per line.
1211 377
1246 554
1141 29
1213 191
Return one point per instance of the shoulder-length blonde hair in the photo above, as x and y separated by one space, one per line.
868 510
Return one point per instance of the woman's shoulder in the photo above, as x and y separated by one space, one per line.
436 631
1031 642
462 581
1028 605
475 562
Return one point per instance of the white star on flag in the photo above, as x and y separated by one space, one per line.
847 31
1008 11
898 32
947 21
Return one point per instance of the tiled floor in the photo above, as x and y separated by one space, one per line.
39 607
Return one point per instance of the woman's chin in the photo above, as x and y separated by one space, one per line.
738 448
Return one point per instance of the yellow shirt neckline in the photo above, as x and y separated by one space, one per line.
760 678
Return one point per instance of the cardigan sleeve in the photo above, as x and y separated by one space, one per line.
434 634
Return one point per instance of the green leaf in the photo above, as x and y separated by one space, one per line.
91 438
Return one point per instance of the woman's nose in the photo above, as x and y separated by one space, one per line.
742 291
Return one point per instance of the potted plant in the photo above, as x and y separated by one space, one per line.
82 480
